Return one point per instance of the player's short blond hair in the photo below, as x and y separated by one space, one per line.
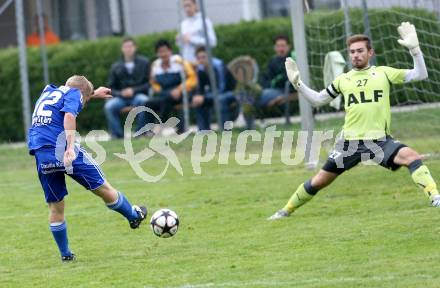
82 84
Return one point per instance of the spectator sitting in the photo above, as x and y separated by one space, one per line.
275 79
50 38
166 81
129 83
203 101
191 31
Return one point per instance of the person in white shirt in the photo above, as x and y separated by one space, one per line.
191 33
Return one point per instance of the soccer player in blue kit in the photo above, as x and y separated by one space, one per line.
52 142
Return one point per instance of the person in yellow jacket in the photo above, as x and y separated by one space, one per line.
166 81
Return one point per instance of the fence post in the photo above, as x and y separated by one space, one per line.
23 66
299 37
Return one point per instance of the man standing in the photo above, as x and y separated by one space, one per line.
129 83
191 31
366 129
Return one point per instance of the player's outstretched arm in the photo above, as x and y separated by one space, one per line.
315 98
102 93
409 39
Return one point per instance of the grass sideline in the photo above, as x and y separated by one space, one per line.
371 228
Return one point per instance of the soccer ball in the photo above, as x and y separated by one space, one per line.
164 223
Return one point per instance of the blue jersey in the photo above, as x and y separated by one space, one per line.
48 116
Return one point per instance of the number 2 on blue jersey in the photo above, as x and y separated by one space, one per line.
48 98
42 115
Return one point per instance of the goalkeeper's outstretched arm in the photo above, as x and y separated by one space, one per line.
419 71
315 98
408 33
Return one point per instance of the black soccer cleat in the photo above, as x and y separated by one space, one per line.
142 212
69 258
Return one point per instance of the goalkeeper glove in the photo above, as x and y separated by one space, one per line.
292 72
409 39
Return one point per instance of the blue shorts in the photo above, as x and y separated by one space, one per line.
52 173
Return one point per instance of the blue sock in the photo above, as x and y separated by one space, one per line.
124 207
59 232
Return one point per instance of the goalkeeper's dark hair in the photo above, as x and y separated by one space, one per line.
358 38
162 43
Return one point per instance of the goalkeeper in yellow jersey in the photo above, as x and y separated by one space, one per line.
366 131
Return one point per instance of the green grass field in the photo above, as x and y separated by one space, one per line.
371 228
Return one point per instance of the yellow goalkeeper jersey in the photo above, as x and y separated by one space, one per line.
367 100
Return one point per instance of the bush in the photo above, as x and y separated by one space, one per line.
94 58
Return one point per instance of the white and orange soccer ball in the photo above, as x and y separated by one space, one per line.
164 223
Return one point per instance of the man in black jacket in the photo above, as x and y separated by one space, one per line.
129 81
275 78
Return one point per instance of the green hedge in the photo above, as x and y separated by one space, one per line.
325 32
